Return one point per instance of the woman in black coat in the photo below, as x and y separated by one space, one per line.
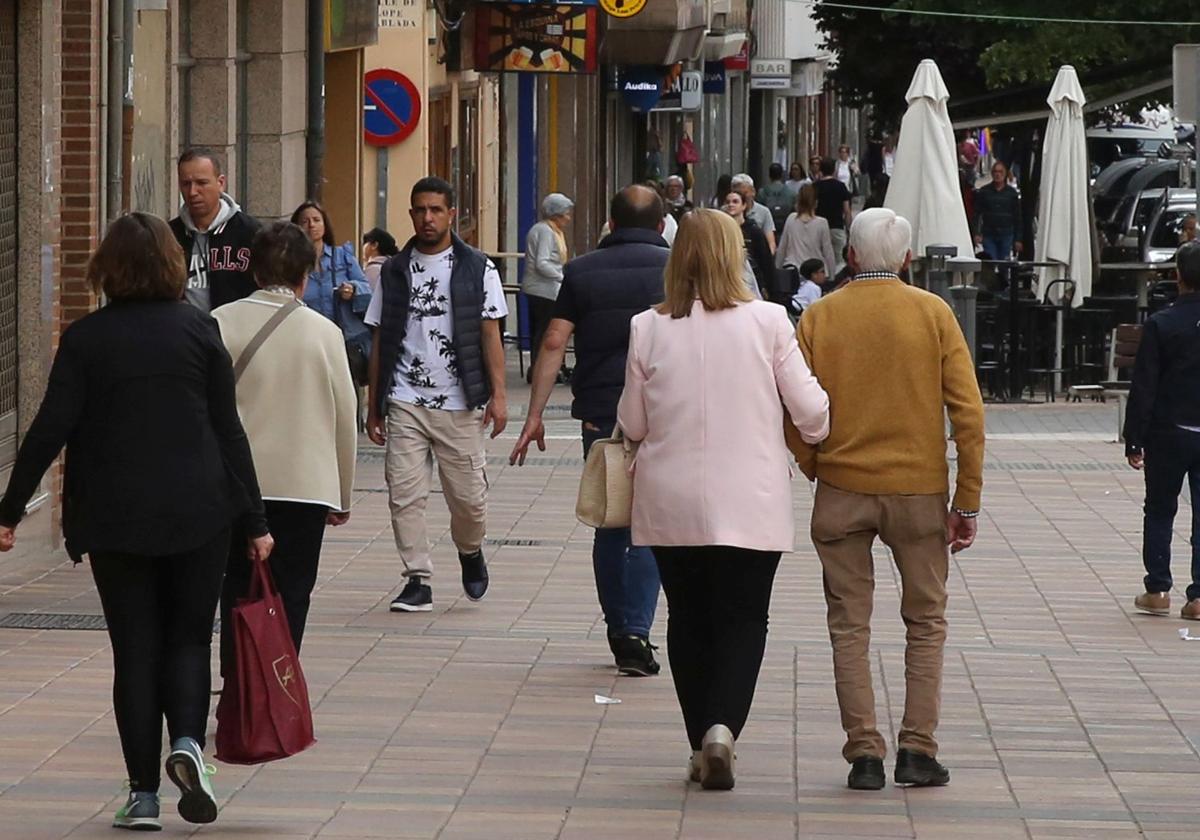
758 250
158 468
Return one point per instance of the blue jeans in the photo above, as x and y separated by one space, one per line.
626 574
1170 455
999 247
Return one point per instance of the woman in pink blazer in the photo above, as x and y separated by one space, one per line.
708 377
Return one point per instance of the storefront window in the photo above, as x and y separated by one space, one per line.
467 180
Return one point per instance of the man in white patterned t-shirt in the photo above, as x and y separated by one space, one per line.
436 380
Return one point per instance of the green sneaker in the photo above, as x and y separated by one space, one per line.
139 813
186 768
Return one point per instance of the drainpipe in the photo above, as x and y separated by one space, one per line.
314 143
186 63
114 117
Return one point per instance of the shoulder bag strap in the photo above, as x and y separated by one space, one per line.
262 335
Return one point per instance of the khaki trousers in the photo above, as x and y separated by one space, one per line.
844 526
415 436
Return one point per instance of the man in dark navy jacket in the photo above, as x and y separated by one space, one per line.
1162 433
600 293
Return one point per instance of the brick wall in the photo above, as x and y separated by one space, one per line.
82 214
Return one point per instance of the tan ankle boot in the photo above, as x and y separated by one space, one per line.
1191 610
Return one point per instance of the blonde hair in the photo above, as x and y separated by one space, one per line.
706 262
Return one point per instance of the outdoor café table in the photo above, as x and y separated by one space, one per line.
1147 274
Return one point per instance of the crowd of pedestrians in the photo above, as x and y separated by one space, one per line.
247 341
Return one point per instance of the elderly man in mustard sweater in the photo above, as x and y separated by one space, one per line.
894 362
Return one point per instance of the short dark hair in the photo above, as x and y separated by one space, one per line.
190 155
828 166
637 206
139 259
312 205
775 171
810 267
1187 263
433 184
280 255
382 240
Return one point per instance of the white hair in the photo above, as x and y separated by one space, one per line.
740 179
880 239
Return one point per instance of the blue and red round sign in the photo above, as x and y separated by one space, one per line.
391 107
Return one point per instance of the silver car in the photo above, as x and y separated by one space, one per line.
1166 225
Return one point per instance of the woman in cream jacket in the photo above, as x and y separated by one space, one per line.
708 377
299 408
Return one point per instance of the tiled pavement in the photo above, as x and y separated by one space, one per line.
1065 715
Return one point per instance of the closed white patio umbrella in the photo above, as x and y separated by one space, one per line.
925 188
1064 231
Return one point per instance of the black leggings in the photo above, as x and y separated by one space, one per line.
717 603
298 529
159 612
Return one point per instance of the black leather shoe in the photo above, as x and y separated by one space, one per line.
866 773
474 575
919 770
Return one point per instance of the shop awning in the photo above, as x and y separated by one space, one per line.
721 45
662 33
984 121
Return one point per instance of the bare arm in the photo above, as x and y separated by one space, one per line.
375 423
493 359
549 361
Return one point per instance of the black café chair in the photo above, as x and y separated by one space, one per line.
1041 335
990 338
1161 295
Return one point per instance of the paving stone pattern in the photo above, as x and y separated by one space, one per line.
1065 714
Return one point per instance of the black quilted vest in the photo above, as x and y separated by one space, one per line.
466 308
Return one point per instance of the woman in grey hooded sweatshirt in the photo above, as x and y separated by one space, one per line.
546 253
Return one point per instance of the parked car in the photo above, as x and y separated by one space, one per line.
1125 232
1109 143
1166 223
1110 185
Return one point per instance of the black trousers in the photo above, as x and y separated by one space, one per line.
159 612
541 312
298 529
717 603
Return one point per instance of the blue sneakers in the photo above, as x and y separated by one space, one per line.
139 813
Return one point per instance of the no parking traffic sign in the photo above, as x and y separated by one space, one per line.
391 107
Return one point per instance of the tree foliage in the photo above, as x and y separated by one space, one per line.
991 66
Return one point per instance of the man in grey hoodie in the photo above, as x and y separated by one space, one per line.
214 233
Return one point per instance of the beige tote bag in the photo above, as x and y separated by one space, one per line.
606 488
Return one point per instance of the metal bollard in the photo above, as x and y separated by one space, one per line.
937 274
962 301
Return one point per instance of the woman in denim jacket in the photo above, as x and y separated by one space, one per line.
337 287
